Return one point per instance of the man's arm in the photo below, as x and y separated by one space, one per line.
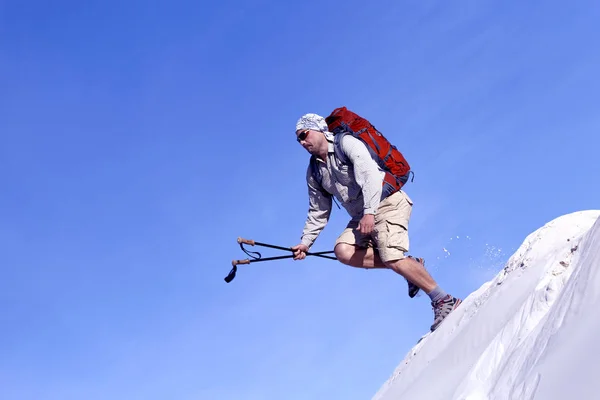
367 173
319 210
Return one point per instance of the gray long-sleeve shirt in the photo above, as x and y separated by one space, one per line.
356 183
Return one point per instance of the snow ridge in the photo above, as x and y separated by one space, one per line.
488 349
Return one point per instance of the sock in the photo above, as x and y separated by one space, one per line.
437 294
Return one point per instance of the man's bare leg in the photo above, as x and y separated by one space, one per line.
412 270
409 268
358 256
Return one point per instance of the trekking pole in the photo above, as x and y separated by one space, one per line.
257 257
249 242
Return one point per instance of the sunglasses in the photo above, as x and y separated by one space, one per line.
302 135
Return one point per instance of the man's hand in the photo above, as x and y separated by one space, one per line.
366 224
300 251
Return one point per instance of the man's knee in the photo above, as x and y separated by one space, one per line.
344 252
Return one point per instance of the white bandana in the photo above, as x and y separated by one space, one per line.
314 122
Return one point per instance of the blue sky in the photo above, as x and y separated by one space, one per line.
140 139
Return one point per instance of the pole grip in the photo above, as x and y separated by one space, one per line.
245 241
239 262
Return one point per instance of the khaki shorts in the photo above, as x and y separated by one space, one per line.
390 235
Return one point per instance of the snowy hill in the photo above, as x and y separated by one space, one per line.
530 333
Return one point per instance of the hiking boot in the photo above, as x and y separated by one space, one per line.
412 288
442 308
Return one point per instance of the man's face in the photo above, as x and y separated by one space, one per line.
308 139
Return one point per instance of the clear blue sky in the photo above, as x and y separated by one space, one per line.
140 139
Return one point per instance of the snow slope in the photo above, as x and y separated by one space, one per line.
530 333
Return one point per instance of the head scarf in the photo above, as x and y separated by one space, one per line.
314 122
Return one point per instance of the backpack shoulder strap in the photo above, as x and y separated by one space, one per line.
316 174
337 148
314 171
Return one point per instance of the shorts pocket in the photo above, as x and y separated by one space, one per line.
396 237
408 199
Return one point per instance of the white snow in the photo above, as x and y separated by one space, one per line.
530 333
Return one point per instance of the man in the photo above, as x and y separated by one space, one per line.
377 234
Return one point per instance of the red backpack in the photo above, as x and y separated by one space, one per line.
342 120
